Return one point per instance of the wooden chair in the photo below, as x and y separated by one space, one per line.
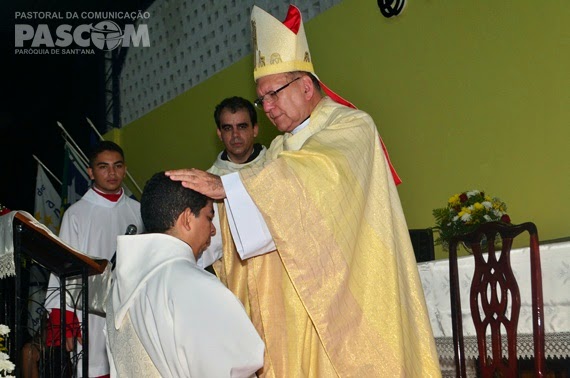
495 299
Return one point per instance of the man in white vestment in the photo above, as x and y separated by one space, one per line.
237 128
166 316
91 225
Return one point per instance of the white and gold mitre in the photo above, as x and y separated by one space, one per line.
279 47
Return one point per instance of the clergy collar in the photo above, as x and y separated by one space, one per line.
113 197
303 124
255 153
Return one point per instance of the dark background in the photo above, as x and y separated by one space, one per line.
41 90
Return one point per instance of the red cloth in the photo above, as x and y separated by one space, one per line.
3 210
73 328
113 197
293 19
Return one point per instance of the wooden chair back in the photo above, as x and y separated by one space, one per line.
495 299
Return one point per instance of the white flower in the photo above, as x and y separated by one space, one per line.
487 204
4 330
466 217
6 366
498 213
487 218
472 193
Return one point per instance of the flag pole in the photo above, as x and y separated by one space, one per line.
79 154
86 160
101 138
47 169
94 129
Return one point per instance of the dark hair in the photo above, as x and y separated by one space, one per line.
233 104
163 200
102 146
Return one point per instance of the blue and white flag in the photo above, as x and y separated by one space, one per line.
47 207
47 210
75 178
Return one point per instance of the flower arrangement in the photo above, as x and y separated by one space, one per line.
6 366
464 212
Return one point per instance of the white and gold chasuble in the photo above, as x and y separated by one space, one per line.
341 295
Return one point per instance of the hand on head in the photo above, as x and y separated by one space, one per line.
200 181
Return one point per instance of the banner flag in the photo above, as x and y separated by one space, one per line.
47 210
75 178
47 206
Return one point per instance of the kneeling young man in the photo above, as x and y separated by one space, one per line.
166 316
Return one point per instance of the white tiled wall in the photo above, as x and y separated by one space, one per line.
190 41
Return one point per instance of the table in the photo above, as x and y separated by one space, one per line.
555 261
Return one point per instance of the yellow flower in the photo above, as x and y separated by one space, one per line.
478 206
454 200
465 210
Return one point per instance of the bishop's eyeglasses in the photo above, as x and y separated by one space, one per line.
271 96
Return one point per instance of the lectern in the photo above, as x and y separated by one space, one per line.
32 241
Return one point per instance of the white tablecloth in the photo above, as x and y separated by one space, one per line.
555 261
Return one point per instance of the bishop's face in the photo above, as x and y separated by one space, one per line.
291 106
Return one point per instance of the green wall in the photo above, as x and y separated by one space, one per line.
466 95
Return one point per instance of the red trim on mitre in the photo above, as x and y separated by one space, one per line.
293 19
293 23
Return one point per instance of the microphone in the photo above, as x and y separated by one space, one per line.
131 230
